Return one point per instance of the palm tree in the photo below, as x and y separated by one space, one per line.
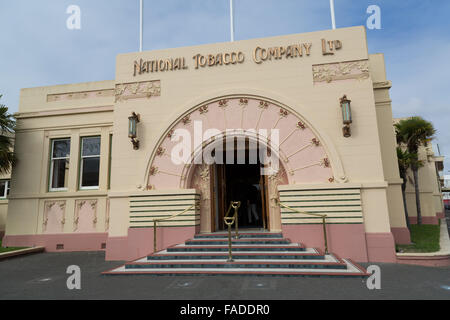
404 162
414 132
7 126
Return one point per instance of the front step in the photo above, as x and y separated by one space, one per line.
241 235
238 241
351 270
309 254
254 253
236 248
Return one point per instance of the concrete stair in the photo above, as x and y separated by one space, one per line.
254 253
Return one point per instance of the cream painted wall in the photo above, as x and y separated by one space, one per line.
73 118
387 141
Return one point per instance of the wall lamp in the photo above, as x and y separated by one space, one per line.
346 116
132 129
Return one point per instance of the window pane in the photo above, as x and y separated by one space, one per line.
91 146
60 173
61 148
90 174
2 189
8 187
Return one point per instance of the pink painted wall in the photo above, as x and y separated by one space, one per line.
139 242
401 235
346 240
71 241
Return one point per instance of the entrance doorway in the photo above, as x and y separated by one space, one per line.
244 183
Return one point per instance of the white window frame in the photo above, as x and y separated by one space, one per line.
7 187
50 188
82 162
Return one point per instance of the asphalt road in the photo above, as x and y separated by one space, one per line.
43 276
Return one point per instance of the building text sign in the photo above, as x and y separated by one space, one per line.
259 55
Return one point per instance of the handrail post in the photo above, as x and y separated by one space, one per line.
325 234
154 236
236 207
230 254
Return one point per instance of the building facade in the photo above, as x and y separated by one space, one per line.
81 183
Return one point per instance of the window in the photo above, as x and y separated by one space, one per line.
90 163
59 166
4 188
109 161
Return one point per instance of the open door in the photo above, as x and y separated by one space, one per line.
263 182
221 196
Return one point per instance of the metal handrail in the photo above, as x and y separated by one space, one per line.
323 216
167 218
229 222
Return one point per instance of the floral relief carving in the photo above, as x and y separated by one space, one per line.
54 211
243 102
160 151
186 120
274 181
85 209
223 103
283 113
315 142
153 171
263 104
358 70
203 109
301 125
107 215
137 90
325 163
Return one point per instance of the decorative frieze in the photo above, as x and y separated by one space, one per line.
68 96
137 90
358 70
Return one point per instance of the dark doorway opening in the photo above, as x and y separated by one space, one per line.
244 183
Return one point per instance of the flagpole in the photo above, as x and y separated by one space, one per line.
231 20
141 24
333 21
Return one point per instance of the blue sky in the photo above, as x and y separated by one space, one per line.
36 48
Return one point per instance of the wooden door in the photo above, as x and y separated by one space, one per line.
221 195
263 183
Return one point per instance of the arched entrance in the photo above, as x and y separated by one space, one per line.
242 176
303 158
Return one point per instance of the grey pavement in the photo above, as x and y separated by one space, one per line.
447 217
43 276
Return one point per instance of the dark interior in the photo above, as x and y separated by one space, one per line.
243 184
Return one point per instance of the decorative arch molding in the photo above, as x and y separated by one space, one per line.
251 110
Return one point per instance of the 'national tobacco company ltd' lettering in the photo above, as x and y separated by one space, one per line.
259 55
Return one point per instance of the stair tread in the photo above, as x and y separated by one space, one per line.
304 252
350 270
327 259
259 245
237 240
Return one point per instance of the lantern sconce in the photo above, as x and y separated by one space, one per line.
346 116
132 131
